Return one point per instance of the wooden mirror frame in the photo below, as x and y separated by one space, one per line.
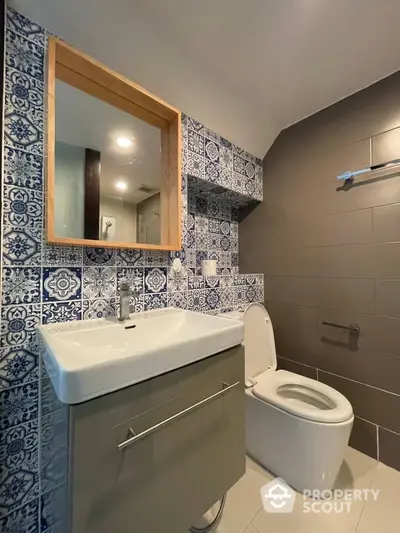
81 71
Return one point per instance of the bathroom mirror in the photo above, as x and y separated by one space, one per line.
113 173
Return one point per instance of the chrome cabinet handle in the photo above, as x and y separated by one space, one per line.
136 437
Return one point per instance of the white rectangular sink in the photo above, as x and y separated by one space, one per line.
89 358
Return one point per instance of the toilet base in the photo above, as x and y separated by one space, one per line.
306 454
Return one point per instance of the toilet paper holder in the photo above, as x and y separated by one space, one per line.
354 329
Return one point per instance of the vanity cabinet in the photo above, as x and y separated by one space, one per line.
163 482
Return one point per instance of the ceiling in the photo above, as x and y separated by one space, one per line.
85 121
245 68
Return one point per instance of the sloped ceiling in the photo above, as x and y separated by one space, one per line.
245 68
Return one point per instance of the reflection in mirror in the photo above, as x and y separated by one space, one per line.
107 171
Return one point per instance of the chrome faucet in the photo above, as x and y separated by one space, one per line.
125 294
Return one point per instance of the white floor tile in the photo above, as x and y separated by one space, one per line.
243 500
383 515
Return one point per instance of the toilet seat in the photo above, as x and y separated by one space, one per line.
302 397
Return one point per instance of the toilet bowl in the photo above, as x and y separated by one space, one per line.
296 427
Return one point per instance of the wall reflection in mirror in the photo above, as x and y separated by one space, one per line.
107 171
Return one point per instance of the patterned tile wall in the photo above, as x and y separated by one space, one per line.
43 283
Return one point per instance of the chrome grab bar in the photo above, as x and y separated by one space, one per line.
353 328
135 437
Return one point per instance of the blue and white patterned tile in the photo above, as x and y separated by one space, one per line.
24 95
195 165
53 449
23 169
177 299
224 259
194 125
21 285
212 282
212 299
196 300
224 271
17 487
190 258
18 365
190 240
213 241
129 257
155 259
22 246
19 405
196 282
55 255
202 241
190 224
226 298
177 281
226 281
234 259
226 144
62 284
22 207
98 308
155 301
239 165
225 243
24 55
225 227
19 446
214 208
61 311
201 221
155 280
213 225
134 277
250 170
25 27
18 324
211 171
211 151
211 135
23 520
195 143
99 282
240 295
22 133
53 507
214 256
99 256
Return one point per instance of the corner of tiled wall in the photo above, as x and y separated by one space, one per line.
44 283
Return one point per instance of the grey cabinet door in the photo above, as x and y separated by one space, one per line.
167 480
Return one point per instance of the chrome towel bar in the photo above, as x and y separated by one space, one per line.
352 328
135 437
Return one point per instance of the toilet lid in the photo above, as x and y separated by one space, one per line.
260 353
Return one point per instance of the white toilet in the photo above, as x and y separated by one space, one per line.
296 427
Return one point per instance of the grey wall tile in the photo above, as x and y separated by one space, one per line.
386 146
387 223
369 403
356 261
389 447
297 368
354 227
330 199
364 437
335 254
291 261
377 334
346 294
387 297
295 332
299 291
